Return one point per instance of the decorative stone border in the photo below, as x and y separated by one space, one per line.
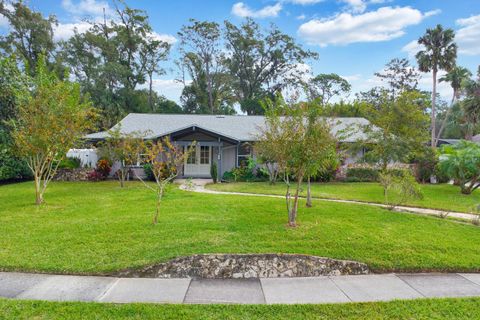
77 174
225 266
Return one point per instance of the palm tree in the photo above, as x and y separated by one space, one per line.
457 77
440 53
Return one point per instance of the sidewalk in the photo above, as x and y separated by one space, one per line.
198 185
339 289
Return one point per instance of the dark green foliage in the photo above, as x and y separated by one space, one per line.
326 86
11 167
246 172
214 172
30 36
147 169
112 60
69 163
425 162
13 86
461 162
326 176
362 175
261 62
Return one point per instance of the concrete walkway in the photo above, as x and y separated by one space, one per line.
198 185
339 289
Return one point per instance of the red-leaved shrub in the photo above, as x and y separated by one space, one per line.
101 172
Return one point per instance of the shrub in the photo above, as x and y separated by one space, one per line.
399 187
246 173
365 174
214 172
101 172
166 171
103 167
69 163
95 175
12 168
425 165
461 162
147 169
228 176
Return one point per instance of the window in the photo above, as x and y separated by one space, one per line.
244 152
204 155
192 157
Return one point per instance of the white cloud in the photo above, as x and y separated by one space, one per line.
304 2
86 7
168 38
301 17
433 12
170 88
383 24
240 9
65 31
412 48
361 83
352 77
468 36
359 6
3 22
356 6
443 88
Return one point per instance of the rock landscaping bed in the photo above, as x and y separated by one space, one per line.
236 266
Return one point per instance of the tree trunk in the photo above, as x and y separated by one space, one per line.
150 91
447 115
121 176
157 208
209 87
433 114
293 216
309 194
38 190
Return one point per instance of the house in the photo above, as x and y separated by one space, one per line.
226 140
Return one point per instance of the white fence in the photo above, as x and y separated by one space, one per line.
88 157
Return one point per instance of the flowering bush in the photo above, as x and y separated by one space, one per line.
101 172
103 167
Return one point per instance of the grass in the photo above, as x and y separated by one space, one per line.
95 228
437 196
468 308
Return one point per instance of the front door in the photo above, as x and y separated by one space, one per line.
198 163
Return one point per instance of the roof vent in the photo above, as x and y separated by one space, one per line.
220 116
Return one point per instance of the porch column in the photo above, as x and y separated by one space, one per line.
219 159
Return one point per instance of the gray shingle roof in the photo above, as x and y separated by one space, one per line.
238 127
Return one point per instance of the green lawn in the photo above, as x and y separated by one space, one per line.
99 227
438 196
468 308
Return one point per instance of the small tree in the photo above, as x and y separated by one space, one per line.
165 158
461 162
214 172
292 142
398 128
320 145
401 185
51 118
124 148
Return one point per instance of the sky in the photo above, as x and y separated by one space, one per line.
353 38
